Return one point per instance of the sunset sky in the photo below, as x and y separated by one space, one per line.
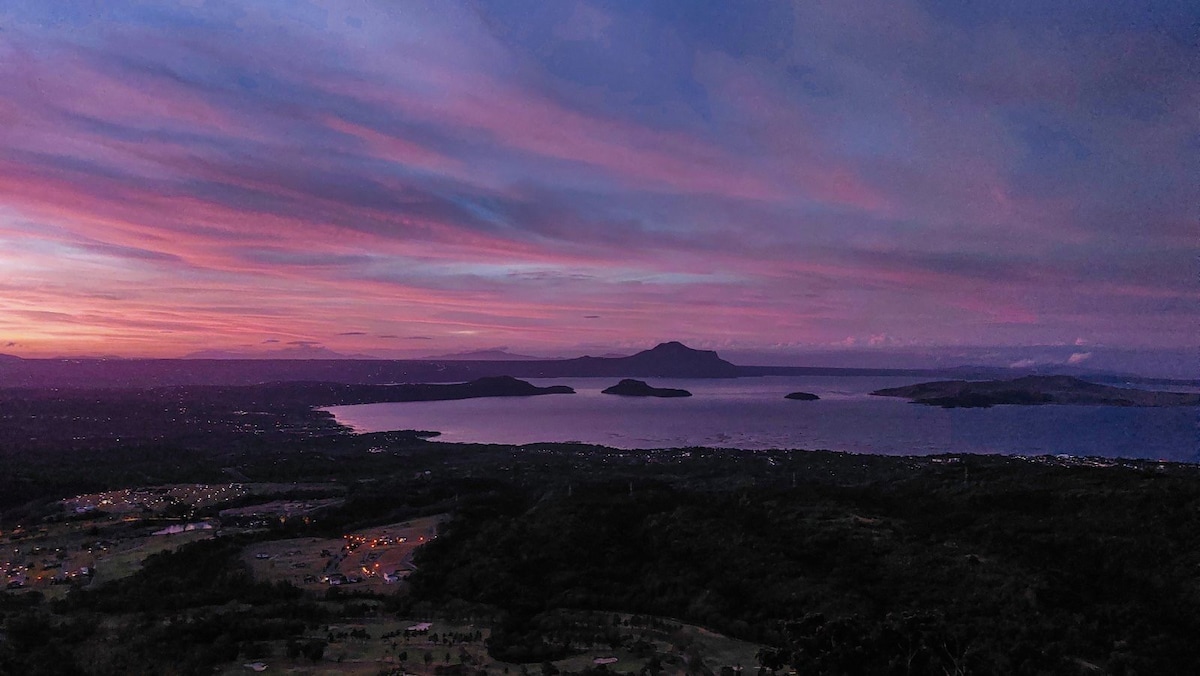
398 178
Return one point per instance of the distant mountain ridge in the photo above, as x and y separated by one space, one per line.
667 360
485 355
302 352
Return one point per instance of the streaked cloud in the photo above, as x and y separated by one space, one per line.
912 173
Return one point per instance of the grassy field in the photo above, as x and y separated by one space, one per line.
111 533
125 557
367 555
376 646
112 549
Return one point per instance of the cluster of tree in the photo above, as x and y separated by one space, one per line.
1025 570
204 573
838 563
113 418
186 612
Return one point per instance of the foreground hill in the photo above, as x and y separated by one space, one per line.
1033 390
833 563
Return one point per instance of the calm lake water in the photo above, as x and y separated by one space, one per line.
751 413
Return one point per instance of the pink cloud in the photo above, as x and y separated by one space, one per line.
521 120
395 149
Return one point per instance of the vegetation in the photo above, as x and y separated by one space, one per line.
628 387
1024 570
831 563
1034 391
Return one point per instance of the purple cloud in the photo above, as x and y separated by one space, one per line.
807 174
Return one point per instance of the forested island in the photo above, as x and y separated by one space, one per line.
638 388
1034 390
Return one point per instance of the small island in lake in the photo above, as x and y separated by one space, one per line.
801 396
637 388
1033 390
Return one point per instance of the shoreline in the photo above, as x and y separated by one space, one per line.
727 417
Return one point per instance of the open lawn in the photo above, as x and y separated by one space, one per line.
373 559
371 647
54 556
100 537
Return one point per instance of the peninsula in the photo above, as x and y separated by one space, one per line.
1033 390
493 386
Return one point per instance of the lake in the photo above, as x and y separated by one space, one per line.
751 413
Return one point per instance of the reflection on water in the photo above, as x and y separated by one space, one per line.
751 413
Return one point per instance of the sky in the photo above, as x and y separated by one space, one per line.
400 178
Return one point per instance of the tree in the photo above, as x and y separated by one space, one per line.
314 650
